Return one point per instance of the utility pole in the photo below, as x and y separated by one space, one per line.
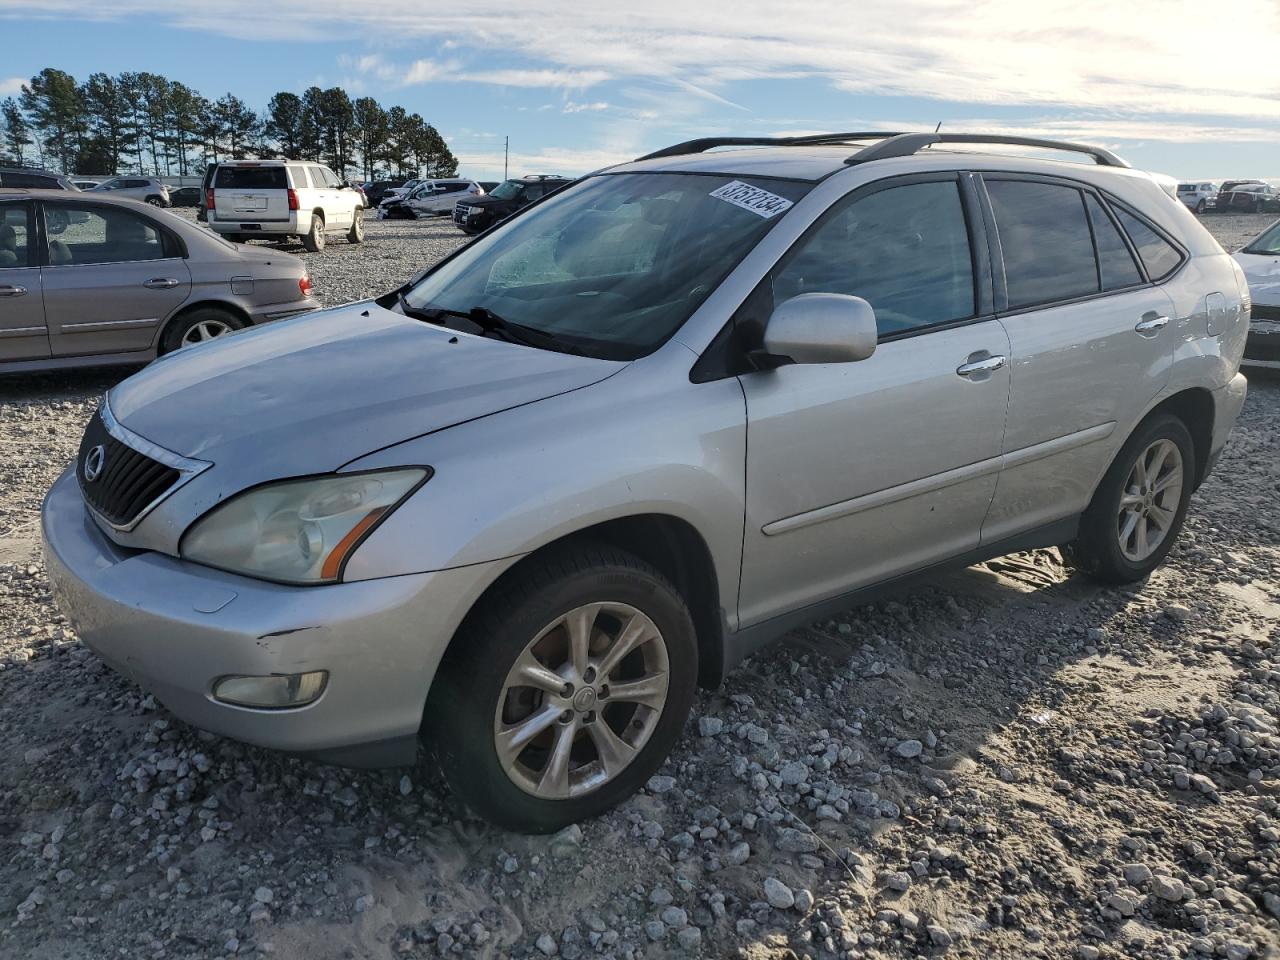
506 152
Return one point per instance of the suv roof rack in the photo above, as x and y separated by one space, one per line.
892 143
703 144
906 144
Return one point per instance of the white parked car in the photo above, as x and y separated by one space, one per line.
1260 259
430 198
1198 195
272 199
147 189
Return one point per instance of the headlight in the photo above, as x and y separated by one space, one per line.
298 531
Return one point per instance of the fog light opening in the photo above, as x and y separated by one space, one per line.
275 692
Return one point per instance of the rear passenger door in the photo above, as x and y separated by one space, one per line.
23 335
111 278
860 471
1091 339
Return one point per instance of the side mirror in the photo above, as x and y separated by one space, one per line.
821 328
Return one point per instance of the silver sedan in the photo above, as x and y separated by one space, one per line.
90 280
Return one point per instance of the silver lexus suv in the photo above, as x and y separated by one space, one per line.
520 508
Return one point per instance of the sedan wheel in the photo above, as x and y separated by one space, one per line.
204 331
582 700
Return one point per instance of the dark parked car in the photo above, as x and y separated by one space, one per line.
1249 197
376 191
480 213
185 197
33 179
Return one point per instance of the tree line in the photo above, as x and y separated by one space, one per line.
147 124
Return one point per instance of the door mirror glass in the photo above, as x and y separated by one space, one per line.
821 328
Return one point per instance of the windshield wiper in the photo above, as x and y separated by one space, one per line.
490 322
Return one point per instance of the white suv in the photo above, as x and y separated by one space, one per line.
1198 195
150 190
283 198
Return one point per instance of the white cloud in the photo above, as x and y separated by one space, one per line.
571 107
1128 59
11 87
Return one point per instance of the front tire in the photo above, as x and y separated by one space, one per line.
356 233
565 690
1139 508
198 326
313 239
1200 207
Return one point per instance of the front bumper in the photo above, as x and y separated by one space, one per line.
175 628
1262 349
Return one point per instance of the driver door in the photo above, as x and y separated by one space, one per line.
857 472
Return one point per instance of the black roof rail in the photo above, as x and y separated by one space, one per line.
906 144
703 144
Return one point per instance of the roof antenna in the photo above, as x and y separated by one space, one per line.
938 127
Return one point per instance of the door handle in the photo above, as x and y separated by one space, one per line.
8 291
975 369
160 283
1149 326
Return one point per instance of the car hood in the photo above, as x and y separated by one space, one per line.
310 394
1263 273
484 200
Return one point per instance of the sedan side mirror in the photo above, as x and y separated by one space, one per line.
821 328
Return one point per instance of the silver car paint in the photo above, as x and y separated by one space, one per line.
103 313
778 514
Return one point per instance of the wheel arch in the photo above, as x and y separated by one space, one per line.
676 549
1195 408
234 309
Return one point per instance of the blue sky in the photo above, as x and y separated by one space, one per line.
577 90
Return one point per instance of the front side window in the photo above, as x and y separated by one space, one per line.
904 250
1159 256
1044 234
615 265
15 236
81 235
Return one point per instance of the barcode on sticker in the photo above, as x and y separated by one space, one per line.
760 202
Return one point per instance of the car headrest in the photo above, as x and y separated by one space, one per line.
126 230
8 238
59 252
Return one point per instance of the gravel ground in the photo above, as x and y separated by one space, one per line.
1009 763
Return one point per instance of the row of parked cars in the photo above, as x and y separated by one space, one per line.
473 205
1234 196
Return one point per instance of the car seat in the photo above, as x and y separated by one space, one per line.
9 247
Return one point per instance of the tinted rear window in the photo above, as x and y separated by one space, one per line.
1048 248
1159 256
251 178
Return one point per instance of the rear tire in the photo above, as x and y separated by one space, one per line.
198 326
1135 515
1200 207
155 201
313 239
356 233
635 628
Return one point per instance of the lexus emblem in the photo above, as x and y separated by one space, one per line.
93 463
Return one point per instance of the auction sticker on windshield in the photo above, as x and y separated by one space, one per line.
760 202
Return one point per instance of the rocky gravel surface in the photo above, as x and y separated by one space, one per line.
1008 763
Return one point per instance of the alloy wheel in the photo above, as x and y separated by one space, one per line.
203 331
581 700
1149 503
